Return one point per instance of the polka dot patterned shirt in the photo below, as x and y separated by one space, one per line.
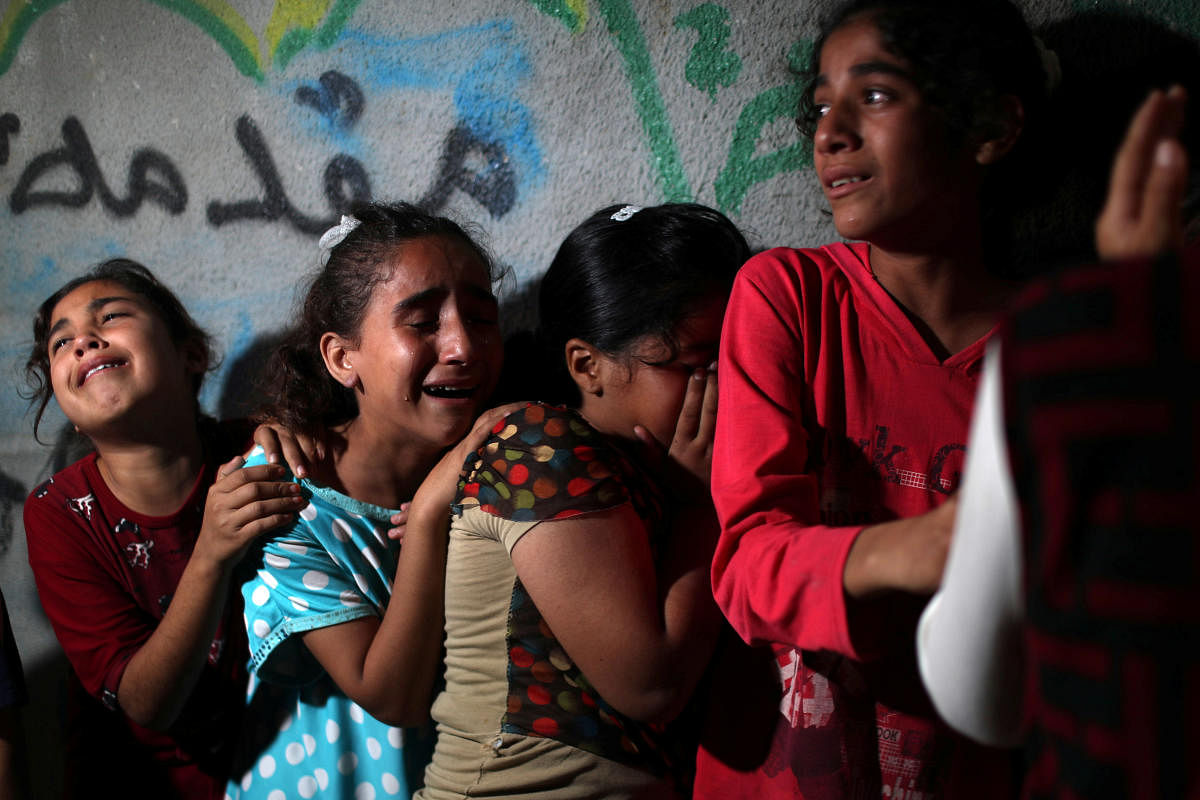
303 737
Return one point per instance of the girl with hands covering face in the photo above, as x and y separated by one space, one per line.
578 612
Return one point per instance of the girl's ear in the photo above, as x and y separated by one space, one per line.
195 357
1003 133
585 366
338 354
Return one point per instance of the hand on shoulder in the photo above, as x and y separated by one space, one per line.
242 504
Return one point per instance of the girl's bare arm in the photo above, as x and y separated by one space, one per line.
242 505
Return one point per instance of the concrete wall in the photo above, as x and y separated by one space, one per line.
213 140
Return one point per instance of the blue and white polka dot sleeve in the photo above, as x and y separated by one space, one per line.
301 584
298 587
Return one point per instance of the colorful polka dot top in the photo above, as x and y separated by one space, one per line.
544 463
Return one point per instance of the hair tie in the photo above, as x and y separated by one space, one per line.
625 213
336 235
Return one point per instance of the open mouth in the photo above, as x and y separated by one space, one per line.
449 392
99 368
845 181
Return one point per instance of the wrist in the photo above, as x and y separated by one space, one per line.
205 562
864 572
428 517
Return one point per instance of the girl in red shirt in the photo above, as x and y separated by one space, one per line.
847 376
133 547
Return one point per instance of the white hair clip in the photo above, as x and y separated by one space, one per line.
625 213
335 235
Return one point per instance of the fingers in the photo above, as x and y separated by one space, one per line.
1166 163
1133 157
708 410
301 451
298 450
261 488
1142 213
232 474
264 506
653 451
698 416
643 435
437 490
488 419
265 437
295 457
242 488
484 425
688 424
399 521
1163 199
265 524
230 467
691 447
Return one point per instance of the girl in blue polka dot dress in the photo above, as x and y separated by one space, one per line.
395 350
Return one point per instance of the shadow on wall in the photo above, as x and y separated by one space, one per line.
242 393
532 371
44 722
12 497
1110 60
42 718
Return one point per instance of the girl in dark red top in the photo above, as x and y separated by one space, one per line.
133 547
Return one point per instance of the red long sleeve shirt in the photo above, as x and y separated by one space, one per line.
834 414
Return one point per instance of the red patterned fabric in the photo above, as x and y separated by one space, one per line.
1100 367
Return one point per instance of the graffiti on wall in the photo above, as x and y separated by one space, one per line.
709 67
494 128
293 26
296 27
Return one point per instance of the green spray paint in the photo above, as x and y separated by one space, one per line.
14 26
571 13
743 169
711 65
290 44
296 39
626 32
218 20
337 18
243 57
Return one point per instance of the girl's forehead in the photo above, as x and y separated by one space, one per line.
857 42
434 261
86 294
698 329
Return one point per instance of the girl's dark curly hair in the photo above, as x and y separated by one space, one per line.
965 57
300 391
135 278
615 281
